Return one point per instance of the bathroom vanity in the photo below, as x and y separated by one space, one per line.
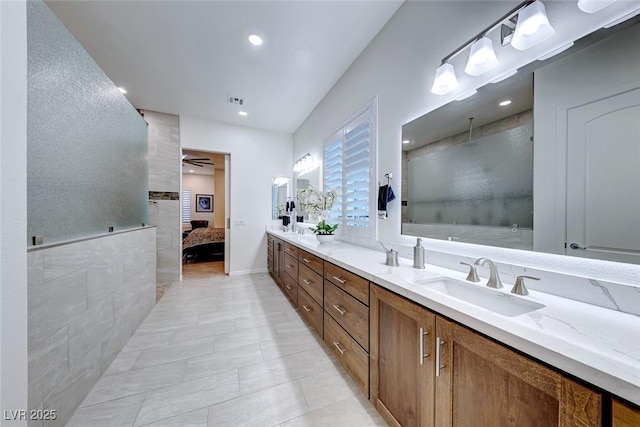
429 348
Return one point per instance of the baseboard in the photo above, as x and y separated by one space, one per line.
245 272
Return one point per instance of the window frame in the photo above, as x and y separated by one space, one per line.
347 231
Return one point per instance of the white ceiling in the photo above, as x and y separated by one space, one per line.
185 57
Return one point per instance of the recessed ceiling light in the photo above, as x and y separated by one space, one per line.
254 39
405 141
505 103
123 90
243 113
191 170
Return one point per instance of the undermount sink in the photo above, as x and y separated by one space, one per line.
489 299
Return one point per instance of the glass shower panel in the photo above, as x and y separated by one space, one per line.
487 181
87 146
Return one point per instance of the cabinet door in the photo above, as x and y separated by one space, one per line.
402 366
624 415
482 383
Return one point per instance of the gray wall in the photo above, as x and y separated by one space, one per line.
85 300
165 170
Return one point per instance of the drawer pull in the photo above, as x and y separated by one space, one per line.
306 260
290 266
337 344
340 280
439 344
288 250
289 287
306 308
423 355
308 282
340 310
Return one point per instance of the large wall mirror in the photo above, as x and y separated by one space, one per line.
547 160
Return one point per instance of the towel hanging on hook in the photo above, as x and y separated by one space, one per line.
385 195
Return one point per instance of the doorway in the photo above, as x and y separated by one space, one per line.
205 213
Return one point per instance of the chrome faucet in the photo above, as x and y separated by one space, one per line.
494 278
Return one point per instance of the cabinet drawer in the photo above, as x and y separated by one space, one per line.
347 281
311 282
350 313
310 310
289 249
291 289
291 267
350 354
313 262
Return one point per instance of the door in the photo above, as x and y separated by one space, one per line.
603 176
402 359
483 383
227 214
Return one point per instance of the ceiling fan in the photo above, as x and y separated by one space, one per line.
200 162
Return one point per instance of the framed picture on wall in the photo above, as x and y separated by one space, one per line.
204 202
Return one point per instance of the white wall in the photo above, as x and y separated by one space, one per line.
256 157
399 66
202 184
13 208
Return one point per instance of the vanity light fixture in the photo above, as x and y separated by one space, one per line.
467 95
592 6
532 27
524 26
303 164
505 103
243 113
554 52
445 80
255 39
122 90
482 57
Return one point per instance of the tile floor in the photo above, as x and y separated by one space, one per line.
224 351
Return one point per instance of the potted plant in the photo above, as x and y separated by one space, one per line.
318 204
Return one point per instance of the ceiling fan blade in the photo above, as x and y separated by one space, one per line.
192 163
200 158
205 163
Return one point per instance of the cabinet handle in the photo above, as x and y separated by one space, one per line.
306 308
337 344
340 280
308 282
289 287
290 265
341 311
306 260
423 355
288 250
439 344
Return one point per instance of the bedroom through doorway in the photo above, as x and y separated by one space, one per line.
204 213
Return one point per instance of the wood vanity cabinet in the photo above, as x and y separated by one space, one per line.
623 415
429 371
275 259
402 367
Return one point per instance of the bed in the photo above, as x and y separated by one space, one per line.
203 244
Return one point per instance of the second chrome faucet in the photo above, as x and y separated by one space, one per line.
494 277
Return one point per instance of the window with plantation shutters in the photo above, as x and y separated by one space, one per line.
348 163
186 206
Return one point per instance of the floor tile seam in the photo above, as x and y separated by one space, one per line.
135 420
265 389
117 398
174 416
175 345
183 413
310 412
138 369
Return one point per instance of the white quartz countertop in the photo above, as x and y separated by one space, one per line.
595 344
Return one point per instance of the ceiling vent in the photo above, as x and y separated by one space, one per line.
235 100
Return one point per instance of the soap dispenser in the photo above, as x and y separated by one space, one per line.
418 255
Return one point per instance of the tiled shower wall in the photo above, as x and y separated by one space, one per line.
164 191
85 300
